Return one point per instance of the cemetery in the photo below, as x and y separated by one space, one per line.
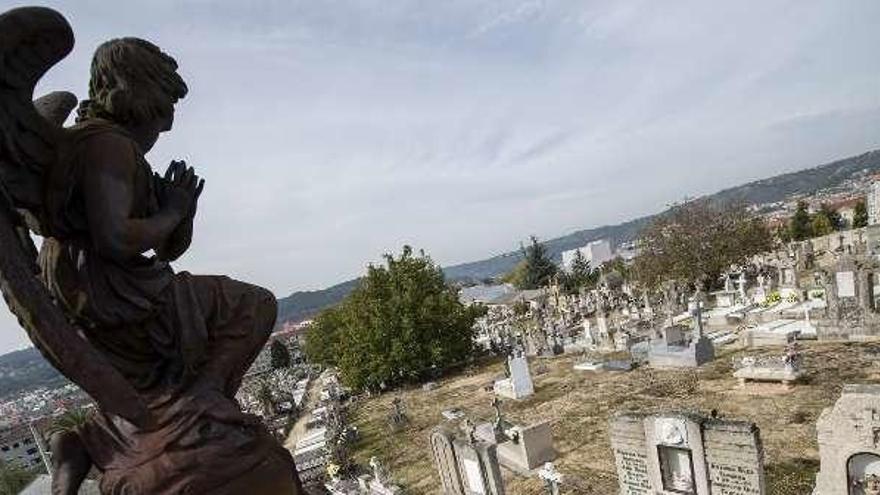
616 390
584 410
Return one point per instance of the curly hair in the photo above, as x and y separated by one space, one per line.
132 81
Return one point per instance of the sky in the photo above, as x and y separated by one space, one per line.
331 132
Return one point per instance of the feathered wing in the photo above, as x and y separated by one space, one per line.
32 40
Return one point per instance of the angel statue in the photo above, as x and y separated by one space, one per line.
161 352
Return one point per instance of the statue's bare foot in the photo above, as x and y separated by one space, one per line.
70 461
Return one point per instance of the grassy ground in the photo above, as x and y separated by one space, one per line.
579 405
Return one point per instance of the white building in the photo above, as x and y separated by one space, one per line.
596 252
874 203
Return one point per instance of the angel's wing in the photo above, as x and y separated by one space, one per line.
32 40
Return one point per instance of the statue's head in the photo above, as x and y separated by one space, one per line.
134 84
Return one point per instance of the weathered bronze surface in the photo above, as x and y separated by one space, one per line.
162 353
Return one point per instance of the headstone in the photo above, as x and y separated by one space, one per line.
846 284
466 466
397 418
446 461
589 339
849 443
760 291
602 324
529 447
686 454
478 464
695 307
674 351
519 385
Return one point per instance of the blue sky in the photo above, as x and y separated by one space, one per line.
330 132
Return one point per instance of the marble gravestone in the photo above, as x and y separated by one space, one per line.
849 443
444 457
852 310
686 454
466 466
519 385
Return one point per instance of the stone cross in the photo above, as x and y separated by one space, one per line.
499 417
379 473
470 430
552 478
697 314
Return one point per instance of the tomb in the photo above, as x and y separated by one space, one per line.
851 305
849 443
519 384
590 366
686 454
785 369
466 465
675 350
528 447
614 365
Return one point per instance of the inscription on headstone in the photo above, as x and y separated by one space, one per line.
846 284
727 479
632 468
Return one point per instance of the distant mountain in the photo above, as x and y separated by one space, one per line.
26 370
302 305
305 304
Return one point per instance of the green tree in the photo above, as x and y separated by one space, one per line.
323 337
821 224
279 354
800 227
579 275
697 241
617 265
70 420
402 324
518 275
834 219
539 268
860 215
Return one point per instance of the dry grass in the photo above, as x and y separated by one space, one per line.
579 405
